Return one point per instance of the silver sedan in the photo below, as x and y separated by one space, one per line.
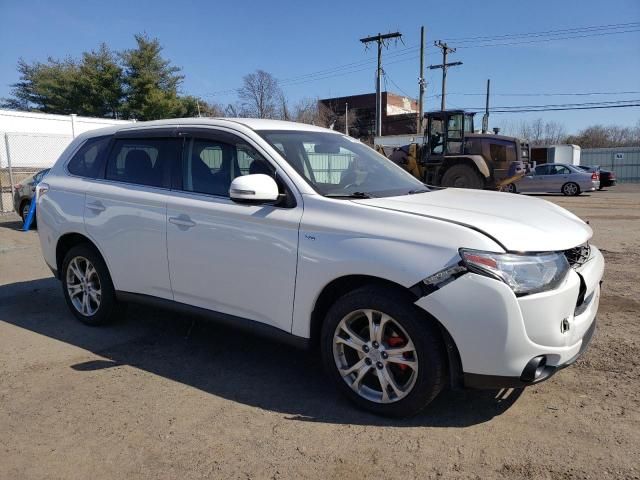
557 178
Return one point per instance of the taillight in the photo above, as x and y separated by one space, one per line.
41 189
595 176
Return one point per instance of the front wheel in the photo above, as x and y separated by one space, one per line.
570 189
462 176
382 352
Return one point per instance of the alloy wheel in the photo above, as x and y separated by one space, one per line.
83 286
570 189
375 356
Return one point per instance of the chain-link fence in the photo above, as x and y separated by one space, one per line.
23 155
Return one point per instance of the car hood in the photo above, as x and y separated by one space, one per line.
518 223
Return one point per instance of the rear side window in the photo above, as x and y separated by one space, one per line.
144 161
88 161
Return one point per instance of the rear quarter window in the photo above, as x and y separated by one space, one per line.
89 160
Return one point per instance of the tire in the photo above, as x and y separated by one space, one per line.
462 176
24 210
511 188
101 307
410 330
570 189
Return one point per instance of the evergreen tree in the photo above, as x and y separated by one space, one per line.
151 82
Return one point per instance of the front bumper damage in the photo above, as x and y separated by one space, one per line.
506 341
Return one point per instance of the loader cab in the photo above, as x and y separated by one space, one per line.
445 134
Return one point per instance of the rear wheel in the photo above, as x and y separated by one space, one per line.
462 176
382 352
511 188
24 210
88 289
570 189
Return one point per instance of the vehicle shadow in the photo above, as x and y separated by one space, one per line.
224 362
12 224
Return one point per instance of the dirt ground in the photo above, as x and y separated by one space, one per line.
160 396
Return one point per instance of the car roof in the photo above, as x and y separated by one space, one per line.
256 124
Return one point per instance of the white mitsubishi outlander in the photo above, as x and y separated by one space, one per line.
306 234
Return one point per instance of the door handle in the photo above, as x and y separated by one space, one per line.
182 221
96 206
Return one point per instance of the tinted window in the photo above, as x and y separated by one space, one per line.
209 165
145 161
542 170
88 161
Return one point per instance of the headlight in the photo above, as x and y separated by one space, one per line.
525 274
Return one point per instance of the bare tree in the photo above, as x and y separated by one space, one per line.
260 95
599 136
537 132
309 110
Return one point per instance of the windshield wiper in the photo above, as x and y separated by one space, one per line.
349 195
420 190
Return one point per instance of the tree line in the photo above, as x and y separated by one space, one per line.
541 133
141 84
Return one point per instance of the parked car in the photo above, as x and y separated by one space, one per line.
607 177
24 191
308 235
557 178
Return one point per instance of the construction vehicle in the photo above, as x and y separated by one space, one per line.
450 154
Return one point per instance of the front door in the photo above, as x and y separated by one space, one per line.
227 257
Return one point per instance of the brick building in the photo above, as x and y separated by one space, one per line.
398 114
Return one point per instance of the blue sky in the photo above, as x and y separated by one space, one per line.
216 43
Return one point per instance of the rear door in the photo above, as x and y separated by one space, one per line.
125 211
557 176
237 259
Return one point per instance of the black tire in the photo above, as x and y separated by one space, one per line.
24 211
425 335
511 188
462 176
570 189
109 309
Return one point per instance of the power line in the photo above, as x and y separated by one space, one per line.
533 37
561 31
566 108
543 94
539 40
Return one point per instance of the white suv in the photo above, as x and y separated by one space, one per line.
308 235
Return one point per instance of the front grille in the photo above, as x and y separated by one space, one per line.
579 255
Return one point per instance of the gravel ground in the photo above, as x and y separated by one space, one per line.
159 396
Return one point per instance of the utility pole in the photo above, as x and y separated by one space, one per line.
446 50
421 84
380 40
485 117
346 118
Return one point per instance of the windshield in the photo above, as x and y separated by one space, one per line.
340 166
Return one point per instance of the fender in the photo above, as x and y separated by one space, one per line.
478 160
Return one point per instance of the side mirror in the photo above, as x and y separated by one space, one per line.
257 188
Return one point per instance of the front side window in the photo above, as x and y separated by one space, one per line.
209 165
143 161
337 165
88 161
